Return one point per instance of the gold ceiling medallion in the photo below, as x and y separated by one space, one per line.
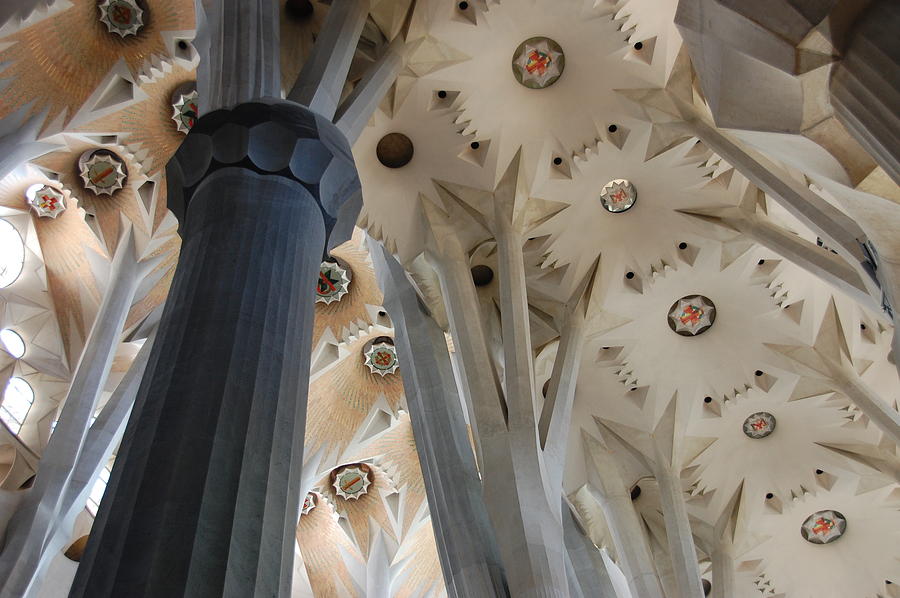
102 172
123 17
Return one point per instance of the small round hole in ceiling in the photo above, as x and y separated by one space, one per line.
482 275
298 9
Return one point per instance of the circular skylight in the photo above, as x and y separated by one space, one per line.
12 254
12 342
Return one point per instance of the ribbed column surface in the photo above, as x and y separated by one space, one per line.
864 87
203 499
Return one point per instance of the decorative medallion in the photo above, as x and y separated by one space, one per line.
124 17
759 425
352 482
333 283
185 111
538 62
823 527
692 315
47 202
618 195
309 503
102 172
381 359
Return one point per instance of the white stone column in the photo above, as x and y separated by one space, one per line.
632 548
665 464
324 73
678 533
355 112
466 543
42 509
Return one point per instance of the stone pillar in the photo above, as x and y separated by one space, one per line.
679 534
607 486
39 513
588 570
722 572
203 501
467 547
864 90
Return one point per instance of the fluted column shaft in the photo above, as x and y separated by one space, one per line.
203 500
864 89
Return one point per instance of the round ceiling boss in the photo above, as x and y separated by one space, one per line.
692 315
538 62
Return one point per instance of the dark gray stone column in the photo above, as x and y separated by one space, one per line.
203 499
466 544
864 89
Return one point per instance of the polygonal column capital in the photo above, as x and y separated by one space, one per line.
274 137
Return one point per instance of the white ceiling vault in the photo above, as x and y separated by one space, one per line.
627 106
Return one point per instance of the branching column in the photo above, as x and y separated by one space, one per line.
466 544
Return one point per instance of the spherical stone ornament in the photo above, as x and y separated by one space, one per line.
352 482
333 283
124 17
309 503
692 315
823 527
538 62
381 359
185 111
618 196
47 202
102 172
759 425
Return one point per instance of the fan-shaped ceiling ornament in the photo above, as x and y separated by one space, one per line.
381 359
309 503
352 481
123 17
823 527
538 62
692 315
46 201
759 425
102 172
333 283
618 196
184 111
